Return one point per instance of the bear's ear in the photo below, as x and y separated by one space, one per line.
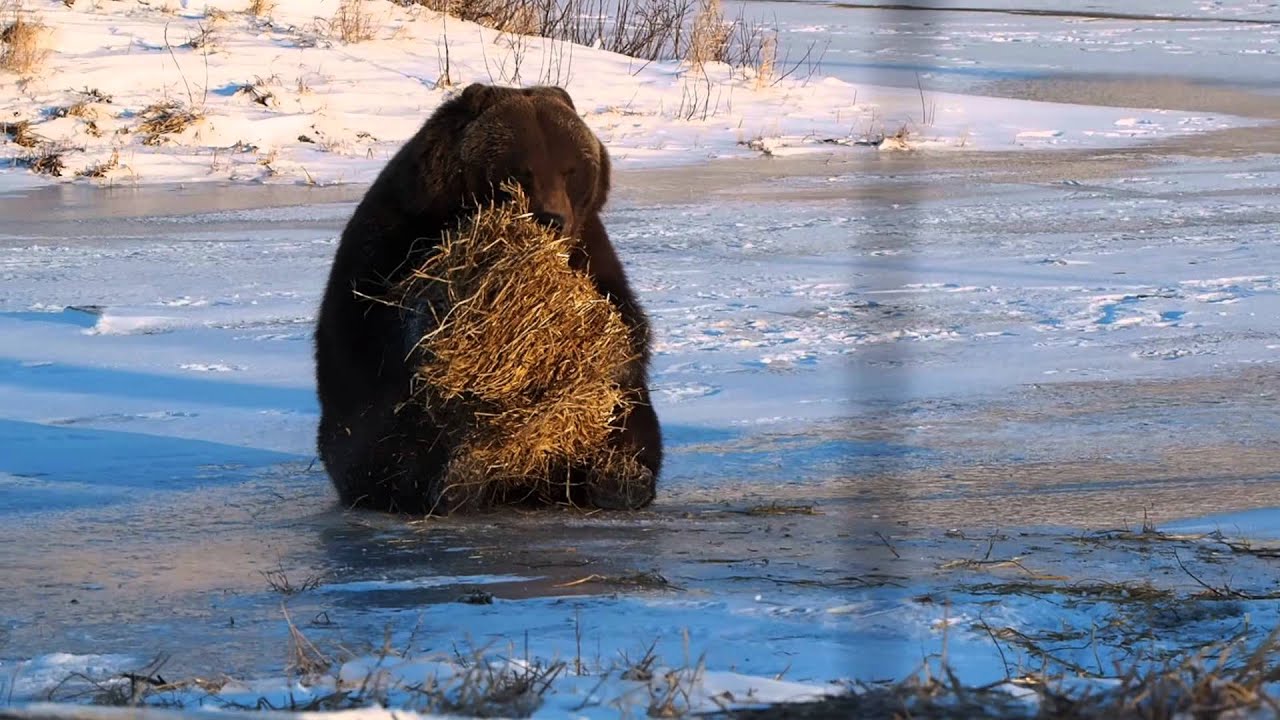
551 91
479 96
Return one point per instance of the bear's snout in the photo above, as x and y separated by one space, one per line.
551 207
553 220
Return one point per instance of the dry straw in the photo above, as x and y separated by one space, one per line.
520 359
164 118
22 39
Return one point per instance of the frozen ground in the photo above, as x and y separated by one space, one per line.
159 438
918 405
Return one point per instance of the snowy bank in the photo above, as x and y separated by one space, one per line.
134 92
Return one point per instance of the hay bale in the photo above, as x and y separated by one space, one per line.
519 360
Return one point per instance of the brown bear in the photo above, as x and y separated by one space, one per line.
381 452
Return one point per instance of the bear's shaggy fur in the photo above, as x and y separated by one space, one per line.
381 451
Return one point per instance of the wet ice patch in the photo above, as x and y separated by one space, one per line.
422 583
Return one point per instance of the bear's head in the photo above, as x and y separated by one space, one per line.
530 136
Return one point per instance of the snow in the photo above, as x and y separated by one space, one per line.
976 365
337 111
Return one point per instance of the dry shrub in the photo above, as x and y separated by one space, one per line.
261 8
521 17
46 160
352 22
646 29
711 35
22 40
520 358
164 118
19 133
518 19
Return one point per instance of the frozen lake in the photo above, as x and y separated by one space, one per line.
906 345
965 46
913 401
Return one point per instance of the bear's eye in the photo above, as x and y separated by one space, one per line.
570 172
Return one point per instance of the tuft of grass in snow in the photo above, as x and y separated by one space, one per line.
19 133
258 90
711 35
766 61
78 109
205 39
164 118
352 22
101 169
45 159
260 8
22 39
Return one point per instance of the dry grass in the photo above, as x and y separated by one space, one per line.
520 357
46 159
696 31
206 39
103 168
1206 685
164 118
352 22
19 133
644 580
260 8
278 580
711 35
82 109
305 658
511 16
259 92
776 508
768 59
94 95
22 41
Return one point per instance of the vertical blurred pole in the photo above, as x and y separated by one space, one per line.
886 251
